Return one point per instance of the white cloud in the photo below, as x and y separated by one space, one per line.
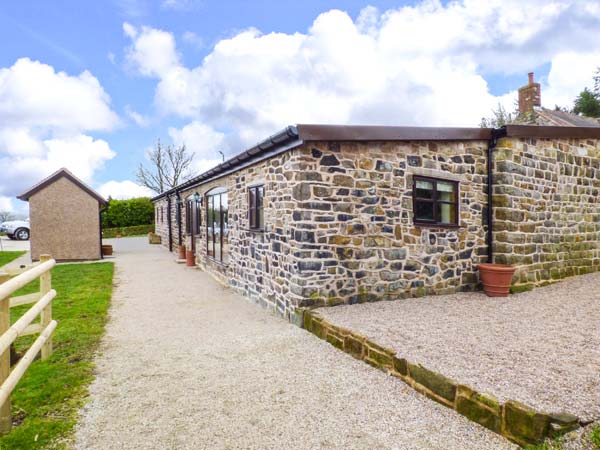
44 115
569 73
123 190
193 39
152 52
139 119
203 141
418 65
34 95
179 5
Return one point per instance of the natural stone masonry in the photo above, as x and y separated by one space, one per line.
339 225
339 222
354 232
546 208
511 419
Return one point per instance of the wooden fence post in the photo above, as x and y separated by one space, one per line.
5 416
46 316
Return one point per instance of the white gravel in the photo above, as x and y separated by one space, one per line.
186 364
541 347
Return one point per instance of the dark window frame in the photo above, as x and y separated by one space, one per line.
435 201
256 209
210 204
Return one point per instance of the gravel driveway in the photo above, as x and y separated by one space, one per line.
541 347
187 364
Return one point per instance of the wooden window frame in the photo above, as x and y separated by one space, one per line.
435 201
254 210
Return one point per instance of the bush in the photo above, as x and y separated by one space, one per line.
128 213
138 230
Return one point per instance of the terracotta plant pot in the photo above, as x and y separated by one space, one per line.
190 258
181 252
107 250
496 279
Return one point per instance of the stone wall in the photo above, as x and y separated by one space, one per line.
339 225
353 235
260 264
546 208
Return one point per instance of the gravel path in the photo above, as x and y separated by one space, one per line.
541 347
186 364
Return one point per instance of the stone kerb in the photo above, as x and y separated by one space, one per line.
513 420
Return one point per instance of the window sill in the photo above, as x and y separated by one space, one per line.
437 225
216 261
254 230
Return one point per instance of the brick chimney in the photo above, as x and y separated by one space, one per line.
530 95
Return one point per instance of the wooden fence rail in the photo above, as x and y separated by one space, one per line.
42 306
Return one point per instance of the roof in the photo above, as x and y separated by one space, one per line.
54 177
550 117
294 136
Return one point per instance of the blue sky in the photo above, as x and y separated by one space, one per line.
190 71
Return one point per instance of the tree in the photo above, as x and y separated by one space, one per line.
5 216
170 167
499 118
587 103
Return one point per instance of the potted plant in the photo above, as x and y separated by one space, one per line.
496 279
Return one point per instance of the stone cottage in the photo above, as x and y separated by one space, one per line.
324 214
64 217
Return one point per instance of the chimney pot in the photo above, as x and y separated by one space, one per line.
530 74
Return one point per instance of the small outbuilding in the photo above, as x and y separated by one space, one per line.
64 215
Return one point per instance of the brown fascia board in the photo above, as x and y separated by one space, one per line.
55 176
535 131
390 133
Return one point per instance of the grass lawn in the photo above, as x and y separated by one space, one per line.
6 257
46 401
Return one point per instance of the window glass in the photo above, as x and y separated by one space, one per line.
447 213
424 189
210 212
446 191
217 230
435 201
424 211
255 207
224 229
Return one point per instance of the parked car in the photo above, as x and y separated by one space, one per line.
16 229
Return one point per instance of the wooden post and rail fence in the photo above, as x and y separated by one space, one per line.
42 306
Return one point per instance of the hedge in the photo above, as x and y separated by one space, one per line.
138 230
128 213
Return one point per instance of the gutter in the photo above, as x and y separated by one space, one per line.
496 134
280 142
169 223
178 210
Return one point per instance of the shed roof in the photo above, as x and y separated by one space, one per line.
294 136
550 117
54 177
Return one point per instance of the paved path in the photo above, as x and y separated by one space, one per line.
7 244
187 364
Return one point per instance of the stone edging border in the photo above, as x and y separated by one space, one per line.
513 420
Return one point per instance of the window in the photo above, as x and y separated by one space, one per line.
256 217
161 215
188 217
435 202
217 229
193 215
